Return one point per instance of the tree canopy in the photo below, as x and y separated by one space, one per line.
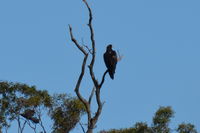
160 124
25 104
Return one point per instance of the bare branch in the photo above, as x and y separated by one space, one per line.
93 77
86 104
82 127
93 44
33 127
100 105
75 41
24 124
96 90
91 31
103 79
91 95
80 79
19 125
83 100
40 119
96 84
89 50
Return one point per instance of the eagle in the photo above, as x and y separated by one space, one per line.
110 59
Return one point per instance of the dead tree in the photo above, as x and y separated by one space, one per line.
92 119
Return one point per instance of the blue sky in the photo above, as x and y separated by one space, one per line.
159 40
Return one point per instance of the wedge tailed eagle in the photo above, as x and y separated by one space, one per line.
110 59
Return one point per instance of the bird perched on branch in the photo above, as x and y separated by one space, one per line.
28 114
110 59
35 120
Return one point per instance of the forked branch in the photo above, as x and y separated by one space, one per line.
76 42
92 120
83 100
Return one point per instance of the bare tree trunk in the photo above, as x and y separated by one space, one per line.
92 120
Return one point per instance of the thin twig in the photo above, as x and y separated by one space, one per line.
82 127
41 123
24 125
19 125
89 50
33 127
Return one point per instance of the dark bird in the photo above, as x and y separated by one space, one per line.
35 120
28 114
110 59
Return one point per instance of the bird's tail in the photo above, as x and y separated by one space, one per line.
111 75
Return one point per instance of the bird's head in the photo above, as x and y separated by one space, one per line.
109 47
